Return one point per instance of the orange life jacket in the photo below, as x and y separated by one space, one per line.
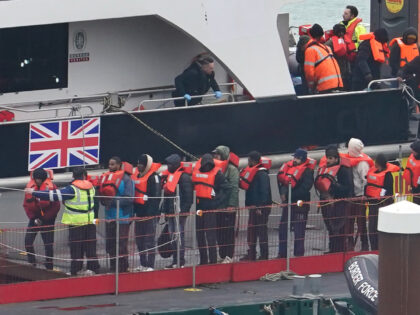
204 181
140 183
375 181
222 165
110 181
412 172
407 52
82 184
94 179
339 46
289 173
348 39
356 160
327 175
246 176
380 52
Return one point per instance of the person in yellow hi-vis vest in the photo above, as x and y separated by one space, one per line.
78 199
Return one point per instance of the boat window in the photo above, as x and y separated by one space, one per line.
33 58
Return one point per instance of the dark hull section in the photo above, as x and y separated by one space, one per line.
269 127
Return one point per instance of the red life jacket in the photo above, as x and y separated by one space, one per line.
110 181
356 160
233 159
34 208
289 173
222 165
327 175
348 39
140 183
380 52
412 172
375 181
407 52
204 181
246 176
339 46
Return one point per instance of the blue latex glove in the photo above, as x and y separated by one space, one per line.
218 94
187 97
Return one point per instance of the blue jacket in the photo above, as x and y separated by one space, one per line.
126 189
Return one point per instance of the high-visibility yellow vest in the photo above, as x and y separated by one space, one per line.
79 210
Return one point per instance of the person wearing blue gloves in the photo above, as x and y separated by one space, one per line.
197 79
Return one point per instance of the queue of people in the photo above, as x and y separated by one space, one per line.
135 194
350 58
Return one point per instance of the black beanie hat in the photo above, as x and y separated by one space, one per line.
40 173
316 31
339 28
332 150
381 35
415 146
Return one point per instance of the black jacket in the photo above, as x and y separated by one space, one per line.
259 191
364 65
413 67
343 188
151 206
193 81
185 194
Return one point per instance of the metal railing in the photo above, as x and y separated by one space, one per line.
381 81
164 100
73 109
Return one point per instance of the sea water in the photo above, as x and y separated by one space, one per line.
327 13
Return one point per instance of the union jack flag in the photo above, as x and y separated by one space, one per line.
64 143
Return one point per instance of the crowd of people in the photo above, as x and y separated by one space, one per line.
348 58
135 194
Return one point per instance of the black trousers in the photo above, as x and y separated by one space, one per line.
358 215
82 239
47 235
111 248
374 206
226 233
206 237
337 220
258 232
298 226
145 230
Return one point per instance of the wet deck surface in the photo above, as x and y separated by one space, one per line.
333 285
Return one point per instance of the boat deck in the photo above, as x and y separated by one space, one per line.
332 285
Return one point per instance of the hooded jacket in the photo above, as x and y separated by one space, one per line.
360 170
193 81
221 186
259 191
394 57
151 206
232 177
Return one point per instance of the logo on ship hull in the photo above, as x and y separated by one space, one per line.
394 6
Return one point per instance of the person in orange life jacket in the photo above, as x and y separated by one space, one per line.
335 214
299 192
368 62
322 72
125 195
177 176
41 216
339 49
412 171
361 163
82 237
380 183
196 80
258 198
146 206
212 190
226 220
403 50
